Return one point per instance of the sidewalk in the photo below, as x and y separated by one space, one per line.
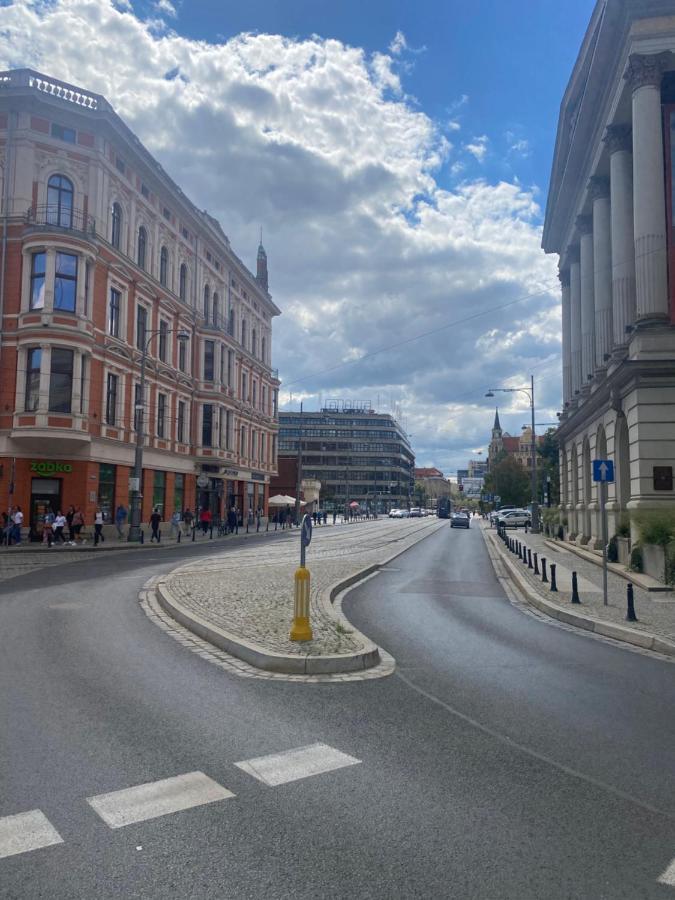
655 628
242 601
28 556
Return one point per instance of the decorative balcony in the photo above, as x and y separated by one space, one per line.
61 219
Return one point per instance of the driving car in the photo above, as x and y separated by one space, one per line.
416 513
460 520
394 513
512 518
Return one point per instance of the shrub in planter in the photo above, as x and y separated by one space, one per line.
623 527
613 550
636 562
657 526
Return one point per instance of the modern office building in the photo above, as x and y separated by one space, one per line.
107 265
358 455
610 217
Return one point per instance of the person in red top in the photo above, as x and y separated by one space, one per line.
205 519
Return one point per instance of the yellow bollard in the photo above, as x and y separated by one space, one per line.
301 630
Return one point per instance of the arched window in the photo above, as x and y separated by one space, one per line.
60 201
254 342
263 349
243 333
163 266
230 323
206 303
182 282
215 308
142 246
116 230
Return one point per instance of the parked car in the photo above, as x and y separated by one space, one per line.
512 518
496 513
416 513
394 513
460 520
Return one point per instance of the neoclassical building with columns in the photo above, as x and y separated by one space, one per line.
610 217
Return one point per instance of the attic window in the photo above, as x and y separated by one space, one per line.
166 212
145 190
120 164
68 135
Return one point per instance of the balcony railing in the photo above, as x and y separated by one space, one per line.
65 218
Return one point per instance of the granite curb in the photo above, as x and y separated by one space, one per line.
294 664
643 639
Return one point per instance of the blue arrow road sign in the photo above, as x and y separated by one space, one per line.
603 470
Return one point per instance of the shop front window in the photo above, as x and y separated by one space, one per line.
159 491
178 492
106 490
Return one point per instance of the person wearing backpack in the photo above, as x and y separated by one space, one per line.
155 520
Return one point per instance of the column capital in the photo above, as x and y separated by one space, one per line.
619 137
646 69
598 187
564 276
584 224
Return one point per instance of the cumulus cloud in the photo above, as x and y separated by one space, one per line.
368 247
166 7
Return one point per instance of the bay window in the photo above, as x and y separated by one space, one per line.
61 380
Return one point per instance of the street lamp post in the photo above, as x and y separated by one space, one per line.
139 409
530 394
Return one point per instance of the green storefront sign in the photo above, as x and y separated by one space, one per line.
45 468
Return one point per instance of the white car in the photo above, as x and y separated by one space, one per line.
394 513
512 518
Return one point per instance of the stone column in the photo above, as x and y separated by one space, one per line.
564 276
585 227
50 275
602 268
575 317
619 143
644 75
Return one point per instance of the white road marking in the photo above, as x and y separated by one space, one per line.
26 831
291 765
668 877
157 798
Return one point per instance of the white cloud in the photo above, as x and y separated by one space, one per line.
478 147
319 143
166 7
398 44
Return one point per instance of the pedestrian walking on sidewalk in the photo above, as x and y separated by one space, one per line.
60 522
77 526
205 519
70 512
155 520
120 519
175 523
232 520
48 529
187 520
98 527
17 522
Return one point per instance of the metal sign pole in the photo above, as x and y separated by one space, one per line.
603 517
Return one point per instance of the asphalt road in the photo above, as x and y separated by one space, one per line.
506 758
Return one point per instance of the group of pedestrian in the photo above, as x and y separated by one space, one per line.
319 517
12 523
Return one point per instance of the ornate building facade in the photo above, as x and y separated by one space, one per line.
107 264
610 218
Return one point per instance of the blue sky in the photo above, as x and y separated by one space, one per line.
397 155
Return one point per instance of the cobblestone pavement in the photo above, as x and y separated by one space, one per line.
248 591
655 611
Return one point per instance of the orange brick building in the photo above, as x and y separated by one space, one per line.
104 259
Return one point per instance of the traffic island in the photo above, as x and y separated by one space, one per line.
243 603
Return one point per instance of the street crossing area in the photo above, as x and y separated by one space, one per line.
32 830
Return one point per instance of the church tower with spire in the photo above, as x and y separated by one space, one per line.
496 441
261 270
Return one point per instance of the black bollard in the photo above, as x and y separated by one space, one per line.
275 524
630 612
575 592
178 537
247 526
211 533
526 528
529 558
268 524
544 576
554 586
142 538
536 565
520 550
524 555
194 531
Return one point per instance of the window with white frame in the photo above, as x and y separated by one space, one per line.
32 394
180 422
209 360
182 282
65 282
163 348
37 280
61 380
161 415
242 441
164 267
182 355
111 397
114 312
60 201
141 326
116 225
142 247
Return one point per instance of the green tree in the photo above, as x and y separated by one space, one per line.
420 494
548 465
510 481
